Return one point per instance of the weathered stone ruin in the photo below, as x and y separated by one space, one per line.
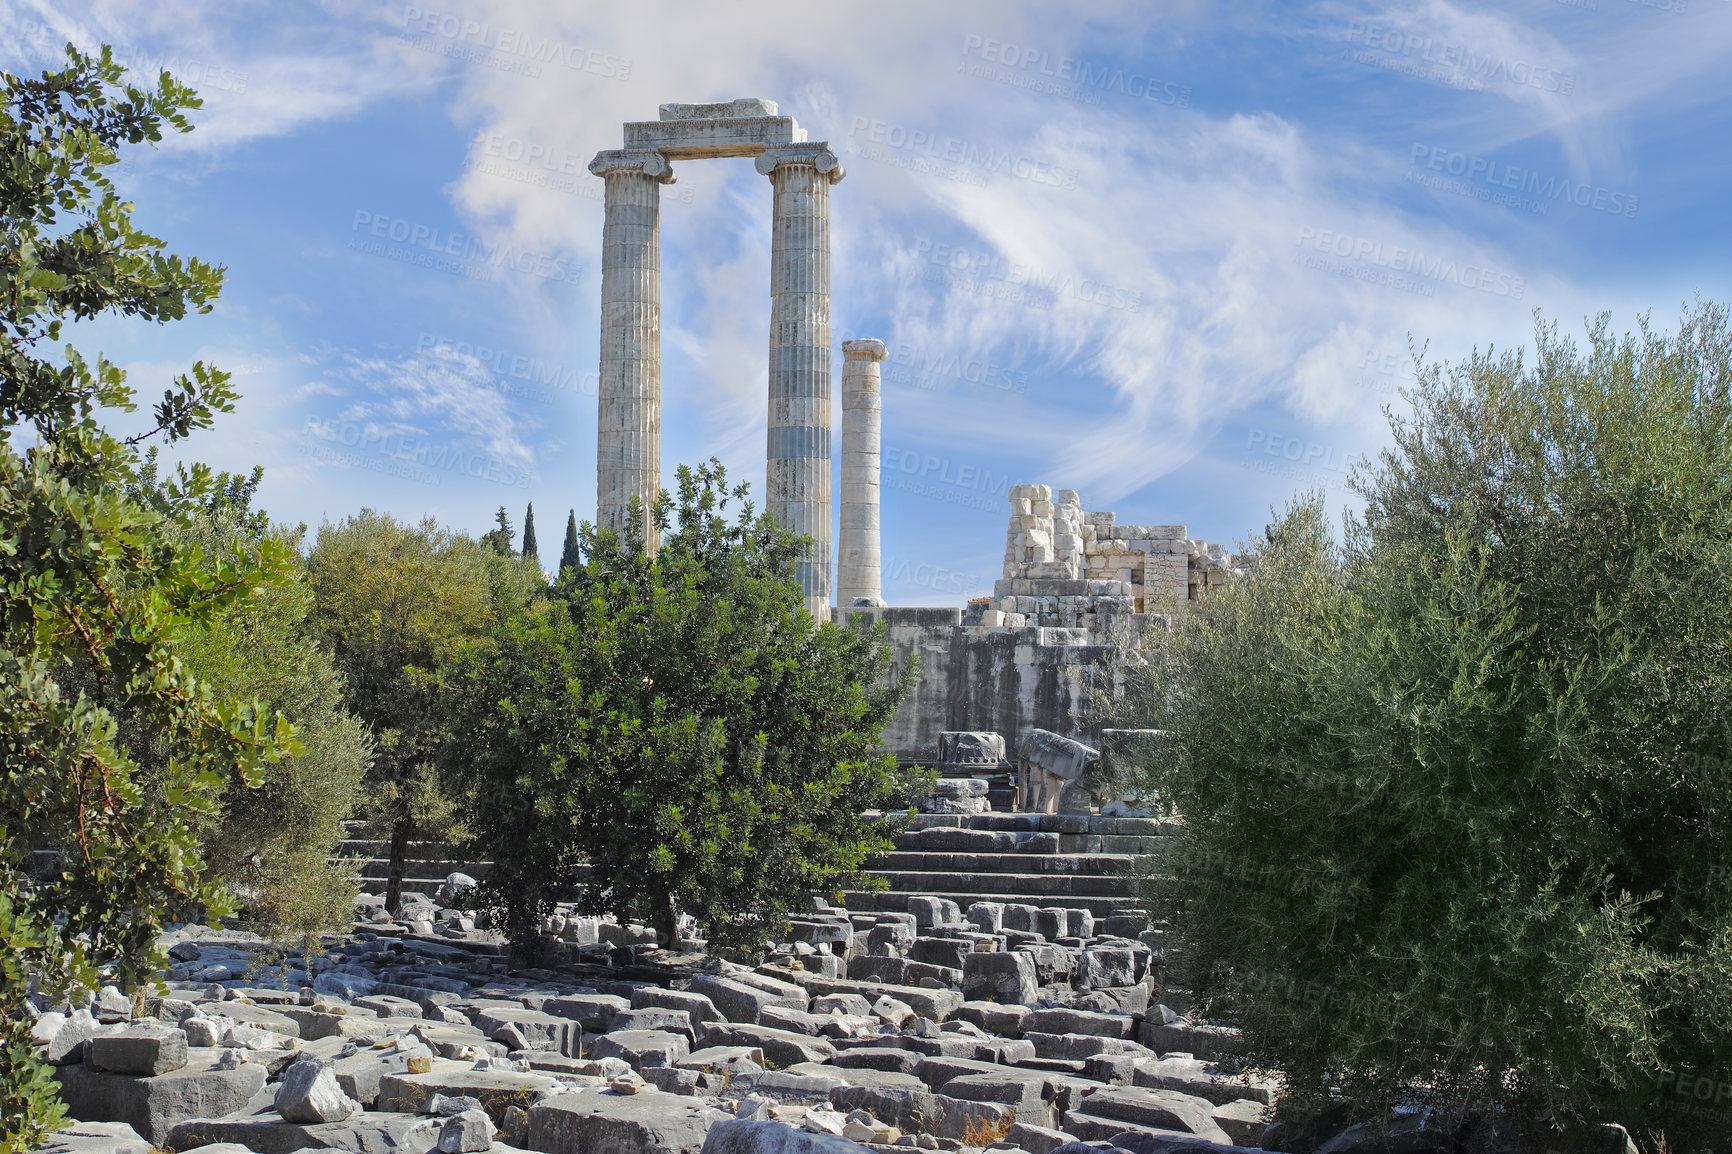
1075 570
1075 586
1005 991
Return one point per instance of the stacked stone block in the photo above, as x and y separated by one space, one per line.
1069 568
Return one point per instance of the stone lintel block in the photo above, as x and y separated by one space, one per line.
641 1048
410 1093
96 1138
594 1011
722 136
744 107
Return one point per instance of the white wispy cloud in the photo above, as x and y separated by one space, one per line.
442 391
1156 266
260 72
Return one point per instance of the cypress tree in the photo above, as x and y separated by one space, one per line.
531 551
570 556
499 539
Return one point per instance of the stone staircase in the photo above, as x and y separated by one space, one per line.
423 872
1073 861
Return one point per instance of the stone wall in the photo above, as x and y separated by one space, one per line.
1070 568
974 677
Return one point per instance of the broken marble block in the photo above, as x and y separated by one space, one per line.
309 1093
957 795
467 1132
1000 976
69 1040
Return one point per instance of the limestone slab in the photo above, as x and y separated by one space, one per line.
153 1105
651 1122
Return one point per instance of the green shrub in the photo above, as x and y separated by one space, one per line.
676 726
95 599
271 846
1456 796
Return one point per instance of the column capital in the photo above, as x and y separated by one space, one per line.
817 154
865 349
646 161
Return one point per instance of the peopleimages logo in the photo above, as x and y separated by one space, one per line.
1088 78
414 457
919 143
1397 258
924 575
983 266
525 49
1296 449
510 363
1525 181
1460 59
441 243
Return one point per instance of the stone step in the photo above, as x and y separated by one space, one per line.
1034 888
1002 863
1087 1127
374 847
428 886
1047 823
381 868
892 902
948 839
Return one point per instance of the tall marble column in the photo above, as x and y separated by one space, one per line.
628 441
797 489
858 572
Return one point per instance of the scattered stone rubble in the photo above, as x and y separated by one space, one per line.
1065 568
1003 1027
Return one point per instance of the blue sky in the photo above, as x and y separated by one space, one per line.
1173 256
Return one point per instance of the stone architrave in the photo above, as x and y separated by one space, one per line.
858 568
628 439
797 488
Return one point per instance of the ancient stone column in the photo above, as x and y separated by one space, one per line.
857 564
628 441
797 489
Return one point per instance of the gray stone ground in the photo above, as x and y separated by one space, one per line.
1008 1027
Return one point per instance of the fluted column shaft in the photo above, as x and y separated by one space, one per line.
858 569
629 428
797 489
